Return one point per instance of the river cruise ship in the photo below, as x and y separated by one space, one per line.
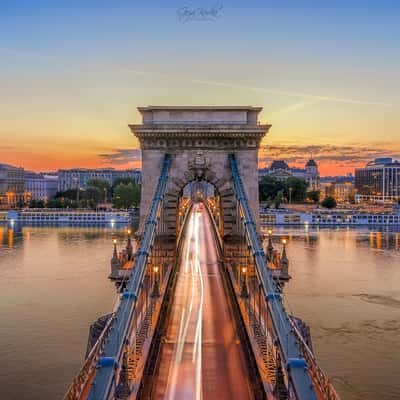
329 218
68 216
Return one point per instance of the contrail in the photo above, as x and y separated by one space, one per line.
306 96
312 98
297 94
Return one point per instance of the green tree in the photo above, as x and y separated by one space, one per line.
329 202
55 203
278 199
102 185
313 195
125 181
36 204
20 204
269 187
295 189
126 196
92 196
69 194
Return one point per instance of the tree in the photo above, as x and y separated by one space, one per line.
313 196
20 204
278 199
295 189
125 181
269 187
126 196
36 204
69 194
101 184
93 196
329 202
55 203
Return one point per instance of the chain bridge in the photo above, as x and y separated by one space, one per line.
201 312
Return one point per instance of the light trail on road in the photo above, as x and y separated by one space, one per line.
201 356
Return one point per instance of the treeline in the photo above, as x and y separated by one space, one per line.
292 190
124 193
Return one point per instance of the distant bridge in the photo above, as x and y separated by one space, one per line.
202 315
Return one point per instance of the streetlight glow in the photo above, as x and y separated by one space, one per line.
115 241
284 241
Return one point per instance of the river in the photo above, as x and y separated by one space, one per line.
53 285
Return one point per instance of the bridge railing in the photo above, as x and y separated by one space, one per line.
79 382
268 316
319 377
131 311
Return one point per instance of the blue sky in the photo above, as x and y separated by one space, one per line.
73 72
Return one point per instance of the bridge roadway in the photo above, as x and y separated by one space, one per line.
201 356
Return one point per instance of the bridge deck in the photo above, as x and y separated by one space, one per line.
201 357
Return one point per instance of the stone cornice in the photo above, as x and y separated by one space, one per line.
183 128
199 136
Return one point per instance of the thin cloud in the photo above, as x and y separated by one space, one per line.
298 94
121 156
310 97
346 155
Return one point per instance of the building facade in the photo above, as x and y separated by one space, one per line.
40 186
71 178
12 185
279 169
379 181
341 190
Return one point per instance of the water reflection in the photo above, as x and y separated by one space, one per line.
346 285
53 285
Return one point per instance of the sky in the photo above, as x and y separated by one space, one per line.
327 74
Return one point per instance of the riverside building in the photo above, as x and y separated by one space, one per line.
280 170
379 181
71 178
12 185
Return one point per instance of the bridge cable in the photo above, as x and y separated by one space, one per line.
287 341
105 382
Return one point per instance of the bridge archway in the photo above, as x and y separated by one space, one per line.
199 140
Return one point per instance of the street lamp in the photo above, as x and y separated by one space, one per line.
270 247
243 291
156 286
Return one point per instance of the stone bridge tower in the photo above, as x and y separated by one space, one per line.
199 140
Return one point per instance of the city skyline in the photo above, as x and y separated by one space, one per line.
326 76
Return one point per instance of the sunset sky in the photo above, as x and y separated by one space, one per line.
73 72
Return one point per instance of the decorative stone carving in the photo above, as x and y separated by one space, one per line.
199 140
199 165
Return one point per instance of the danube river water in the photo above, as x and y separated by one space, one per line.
53 285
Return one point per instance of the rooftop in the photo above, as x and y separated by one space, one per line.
199 108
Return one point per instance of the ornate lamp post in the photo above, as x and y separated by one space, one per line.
114 262
284 264
270 247
156 286
243 290
129 247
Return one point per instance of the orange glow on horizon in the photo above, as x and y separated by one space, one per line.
49 162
